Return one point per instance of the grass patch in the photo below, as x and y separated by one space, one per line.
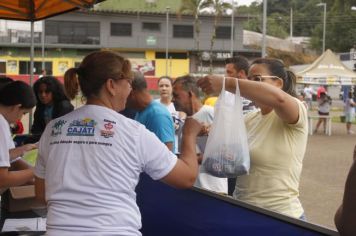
337 119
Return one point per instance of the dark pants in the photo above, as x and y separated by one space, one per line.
231 185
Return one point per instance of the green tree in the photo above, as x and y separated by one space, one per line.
219 8
253 13
340 28
194 7
278 25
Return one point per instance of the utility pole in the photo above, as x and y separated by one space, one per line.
43 45
324 22
232 29
291 24
167 33
264 28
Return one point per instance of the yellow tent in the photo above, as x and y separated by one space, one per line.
328 70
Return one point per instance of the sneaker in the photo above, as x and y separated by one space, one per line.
350 132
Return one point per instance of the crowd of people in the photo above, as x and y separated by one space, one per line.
89 159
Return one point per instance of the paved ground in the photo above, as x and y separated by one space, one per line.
326 164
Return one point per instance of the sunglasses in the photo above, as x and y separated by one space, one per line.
262 78
129 80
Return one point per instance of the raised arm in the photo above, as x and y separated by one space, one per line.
185 171
284 104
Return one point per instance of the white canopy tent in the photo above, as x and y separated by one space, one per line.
327 70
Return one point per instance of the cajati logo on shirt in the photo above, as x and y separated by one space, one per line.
108 126
83 127
57 127
106 132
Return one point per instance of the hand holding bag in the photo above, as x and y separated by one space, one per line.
226 153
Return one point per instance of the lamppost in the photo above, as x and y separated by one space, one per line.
43 45
324 24
232 29
291 24
264 28
167 33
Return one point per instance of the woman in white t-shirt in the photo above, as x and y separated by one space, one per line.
16 99
165 92
89 160
277 135
324 105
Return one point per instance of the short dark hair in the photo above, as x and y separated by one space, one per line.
188 83
4 80
17 92
139 82
240 63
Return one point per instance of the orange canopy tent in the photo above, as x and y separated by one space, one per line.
34 10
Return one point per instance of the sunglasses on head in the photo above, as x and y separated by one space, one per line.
261 78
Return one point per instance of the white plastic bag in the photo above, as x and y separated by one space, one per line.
226 153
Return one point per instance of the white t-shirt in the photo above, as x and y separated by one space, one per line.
308 91
324 105
205 180
6 142
91 159
170 107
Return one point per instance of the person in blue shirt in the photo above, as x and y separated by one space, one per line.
151 113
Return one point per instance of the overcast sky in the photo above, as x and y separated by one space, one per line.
244 2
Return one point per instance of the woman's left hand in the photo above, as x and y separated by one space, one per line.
211 84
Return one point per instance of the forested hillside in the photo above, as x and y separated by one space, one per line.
307 21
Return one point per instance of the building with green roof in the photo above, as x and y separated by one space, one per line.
135 28
153 6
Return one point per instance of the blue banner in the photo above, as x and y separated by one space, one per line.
168 211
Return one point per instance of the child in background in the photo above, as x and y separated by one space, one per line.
324 105
16 99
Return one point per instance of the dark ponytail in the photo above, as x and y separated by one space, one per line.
17 92
289 85
276 68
